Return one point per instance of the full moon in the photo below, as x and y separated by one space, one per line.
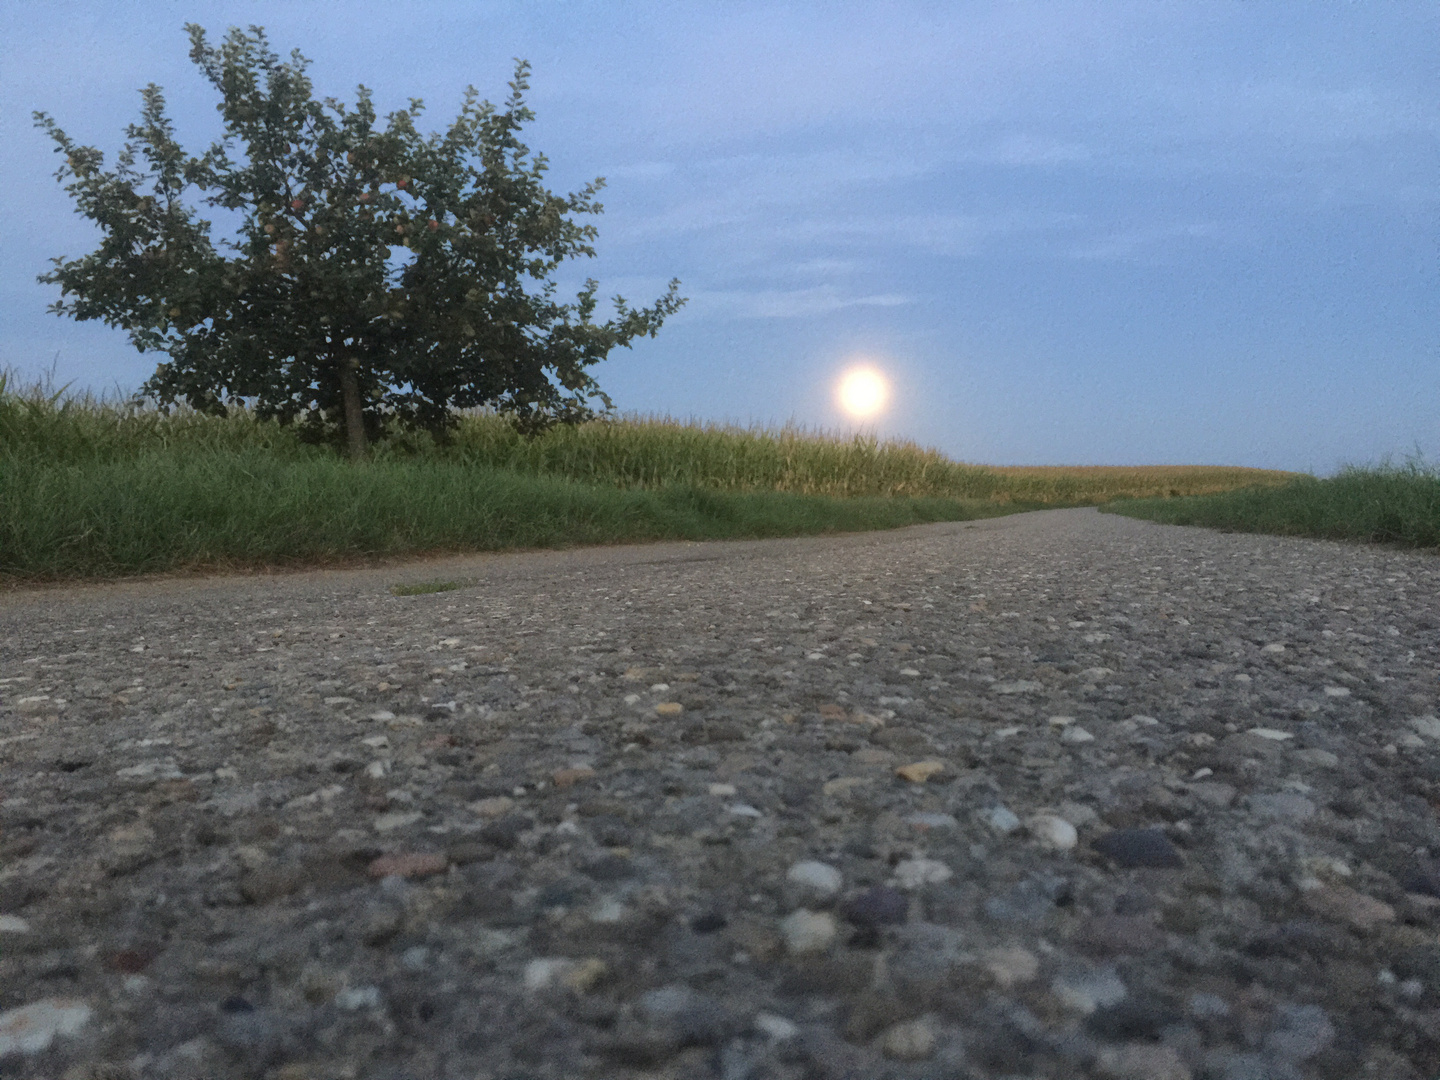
863 392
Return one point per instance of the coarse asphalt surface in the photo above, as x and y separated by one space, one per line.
1062 794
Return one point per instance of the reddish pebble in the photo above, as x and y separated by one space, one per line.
412 864
565 778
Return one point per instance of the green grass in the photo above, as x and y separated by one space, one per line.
425 588
100 488
1382 504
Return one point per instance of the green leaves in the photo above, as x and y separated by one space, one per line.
302 309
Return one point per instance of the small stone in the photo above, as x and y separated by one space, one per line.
1141 1061
565 778
1011 966
913 1040
493 807
1053 831
843 785
775 1027
1090 991
1423 878
583 976
1214 792
669 708
1323 759
544 972
743 810
391 822
414 864
1306 1030
355 998
1337 691
1001 819
1273 647
1273 734
821 879
1285 805
722 791
13 924
880 906
31 1029
1020 686
1106 935
920 771
1429 726
1076 734
914 873
1130 848
1341 903
808 931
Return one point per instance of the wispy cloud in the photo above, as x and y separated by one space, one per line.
785 303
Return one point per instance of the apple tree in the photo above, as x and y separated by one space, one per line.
372 276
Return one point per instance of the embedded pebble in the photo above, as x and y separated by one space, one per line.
412 864
1012 966
821 879
775 1027
920 771
1089 991
13 924
913 1040
808 931
1076 734
1148 847
1052 831
913 873
1002 820
879 906
30 1029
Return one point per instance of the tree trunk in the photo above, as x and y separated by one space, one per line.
354 414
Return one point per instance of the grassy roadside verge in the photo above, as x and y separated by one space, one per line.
1385 504
251 509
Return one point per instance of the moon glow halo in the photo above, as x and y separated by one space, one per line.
862 392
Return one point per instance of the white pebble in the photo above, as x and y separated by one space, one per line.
546 971
1429 726
1002 820
13 924
913 1040
808 931
1337 691
1273 734
741 809
1076 734
355 998
1088 992
1012 966
820 878
722 790
775 1027
913 873
1052 831
31 1028
391 822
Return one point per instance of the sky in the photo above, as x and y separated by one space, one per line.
1068 233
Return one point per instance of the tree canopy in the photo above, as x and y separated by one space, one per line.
374 277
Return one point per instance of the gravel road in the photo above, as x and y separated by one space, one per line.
1061 795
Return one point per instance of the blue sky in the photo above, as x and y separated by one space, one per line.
1084 233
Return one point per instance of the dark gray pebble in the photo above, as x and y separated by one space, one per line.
1149 848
